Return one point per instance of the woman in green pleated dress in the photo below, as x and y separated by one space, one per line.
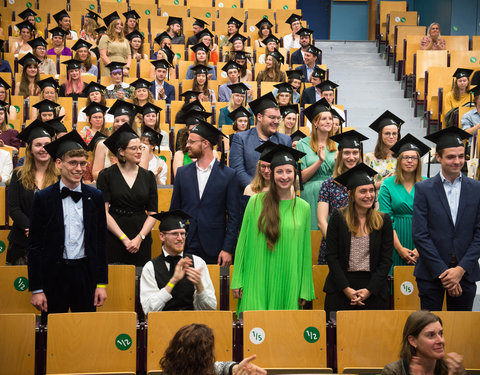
396 197
273 261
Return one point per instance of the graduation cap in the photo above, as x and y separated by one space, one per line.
200 69
37 42
57 125
327 86
265 148
297 135
337 115
231 65
234 21
277 56
70 141
264 21
58 31
27 13
314 109
240 112
475 91
134 34
4 84
93 142
206 130
271 38
350 139
200 47
264 102
203 33
319 72
93 107
304 32
240 55
48 82
37 129
169 54
359 175
199 22
158 39
174 20
120 108
101 30
60 15
285 110
410 143
313 50
293 18
93 87
46 106
160 64
141 84
96 51
73 64
153 136
110 18
386 118
197 106
148 108
25 25
283 155
131 14
94 16
237 36
3 105
294 74
238 88
462 72
120 138
284 87
115 65
29 58
172 220
189 94
448 137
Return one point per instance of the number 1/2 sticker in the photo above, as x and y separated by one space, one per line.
257 335
311 334
123 341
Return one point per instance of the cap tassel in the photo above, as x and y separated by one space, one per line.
428 167
300 181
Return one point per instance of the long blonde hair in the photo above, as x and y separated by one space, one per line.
27 171
331 145
281 126
258 183
400 178
89 26
374 218
112 34
339 167
274 70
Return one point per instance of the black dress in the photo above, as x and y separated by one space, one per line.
127 207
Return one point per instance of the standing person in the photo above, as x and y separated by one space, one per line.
317 164
310 57
161 89
174 30
58 43
446 232
460 93
292 40
209 192
273 262
298 57
64 22
83 54
433 40
359 248
113 46
198 26
68 270
396 197
130 194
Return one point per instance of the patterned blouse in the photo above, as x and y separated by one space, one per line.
384 167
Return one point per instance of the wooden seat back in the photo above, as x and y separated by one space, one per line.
320 273
120 288
402 18
387 7
14 292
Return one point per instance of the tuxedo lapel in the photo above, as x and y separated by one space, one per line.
442 197
57 210
87 213
211 179
195 181
464 194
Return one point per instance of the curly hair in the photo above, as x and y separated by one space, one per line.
190 352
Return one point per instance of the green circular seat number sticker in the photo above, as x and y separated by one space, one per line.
178 56
29 5
2 247
141 32
17 108
21 284
163 158
311 334
265 16
147 12
92 7
403 19
11 2
176 2
234 5
11 126
123 342
285 7
406 288
38 19
473 59
455 28
220 5
208 14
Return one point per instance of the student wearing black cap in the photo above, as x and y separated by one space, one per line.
21 46
233 73
49 91
46 110
396 197
233 27
198 26
141 96
445 226
310 57
264 27
272 71
161 89
136 40
95 93
312 94
90 25
202 56
209 192
58 43
460 93
8 136
165 52
118 89
151 120
68 270
241 118
294 79
383 159
273 262
130 194
338 122
237 42
305 40
261 180
272 43
207 38
83 54
152 140
28 15
172 281
38 172
241 58
39 50
284 94
359 248
27 86
289 123
200 84
132 22
188 96
95 113
73 85
63 21
471 120
333 195
327 90
292 40
174 30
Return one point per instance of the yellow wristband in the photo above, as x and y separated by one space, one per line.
123 236
171 285
101 285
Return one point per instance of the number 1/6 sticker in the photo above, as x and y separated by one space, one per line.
311 334
123 341
257 335
406 288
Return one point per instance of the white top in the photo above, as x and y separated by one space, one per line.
6 165
74 35
289 42
154 164
203 175
153 298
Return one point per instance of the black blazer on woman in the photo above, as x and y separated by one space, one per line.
338 254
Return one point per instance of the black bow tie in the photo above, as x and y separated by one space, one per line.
172 259
66 192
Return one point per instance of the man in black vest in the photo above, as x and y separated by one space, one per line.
172 282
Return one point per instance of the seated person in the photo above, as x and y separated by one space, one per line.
292 40
283 93
58 42
271 44
6 166
305 39
174 30
233 73
264 27
310 57
237 100
237 42
233 27
4 64
73 86
83 54
170 281
21 46
118 89
294 80
459 95
49 90
207 38
27 85
151 120
136 39
46 110
433 41
198 26
200 84
162 90
245 73
202 55
272 72
95 93
11 110
312 94
471 120
39 50
63 21
152 139
327 89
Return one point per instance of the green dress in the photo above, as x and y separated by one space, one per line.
395 200
311 188
274 279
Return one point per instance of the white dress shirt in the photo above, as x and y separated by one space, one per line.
203 175
74 228
452 191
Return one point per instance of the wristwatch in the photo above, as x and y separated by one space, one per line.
142 236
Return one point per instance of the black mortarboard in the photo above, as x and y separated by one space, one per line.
174 20
92 15
3 105
284 87
204 32
95 108
240 112
148 108
314 109
93 87
115 65
287 109
172 220
57 125
265 148
189 94
297 135
199 22
200 69
462 72
313 50
70 141
158 39
141 84
101 30
131 14
58 31
337 115
73 64
27 13
37 42
164 64
262 103
134 34
240 55
110 18
293 18
48 82
237 36
28 59
120 108
304 32
327 86
168 53
262 22
200 47
194 112
238 88
93 142
96 52
46 106
25 25
231 65
120 138
196 105
294 74
407 143
235 22
154 136
271 38
476 90
448 137
37 129
349 139
206 130
283 155
277 56
319 72
386 118
4 84
359 175
60 15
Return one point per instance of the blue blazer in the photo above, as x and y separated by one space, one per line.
169 90
308 96
303 68
47 235
216 217
435 235
243 157
297 58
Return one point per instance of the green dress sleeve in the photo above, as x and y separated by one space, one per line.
307 291
385 200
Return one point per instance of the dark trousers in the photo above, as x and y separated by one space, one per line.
431 293
195 247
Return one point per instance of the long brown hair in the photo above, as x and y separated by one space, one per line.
190 352
196 86
339 167
381 149
27 171
456 89
400 178
274 72
24 83
90 26
258 183
331 145
3 125
88 61
112 34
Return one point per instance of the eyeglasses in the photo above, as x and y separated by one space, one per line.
388 134
189 141
75 164
410 158
263 167
176 234
135 148
273 118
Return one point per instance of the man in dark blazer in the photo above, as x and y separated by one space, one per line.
209 192
67 260
313 94
160 89
305 39
198 26
309 56
446 228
